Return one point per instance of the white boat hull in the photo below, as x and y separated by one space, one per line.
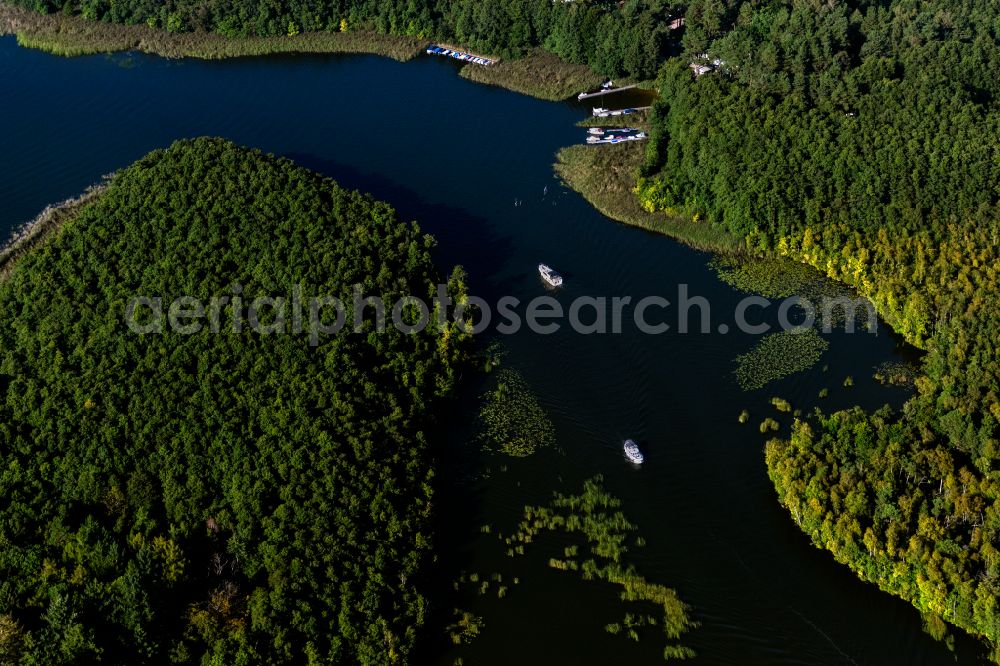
633 453
550 276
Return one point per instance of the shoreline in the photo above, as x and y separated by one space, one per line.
33 233
605 176
71 36
538 74
545 76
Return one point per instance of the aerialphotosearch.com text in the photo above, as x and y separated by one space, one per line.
318 316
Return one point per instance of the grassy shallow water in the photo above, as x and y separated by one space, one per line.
539 74
605 176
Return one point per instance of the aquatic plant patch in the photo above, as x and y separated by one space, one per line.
835 303
512 420
596 515
779 355
896 373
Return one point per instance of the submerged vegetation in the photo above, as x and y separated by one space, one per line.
834 304
896 374
215 498
595 515
861 138
465 627
778 355
588 535
771 277
768 425
780 277
781 404
512 420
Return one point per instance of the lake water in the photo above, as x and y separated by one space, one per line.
455 156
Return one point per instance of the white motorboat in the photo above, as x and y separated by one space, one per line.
550 276
632 452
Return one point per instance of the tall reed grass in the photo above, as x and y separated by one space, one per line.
606 177
539 74
75 36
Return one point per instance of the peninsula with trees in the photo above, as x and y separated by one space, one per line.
860 138
216 498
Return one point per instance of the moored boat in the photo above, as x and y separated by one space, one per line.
434 49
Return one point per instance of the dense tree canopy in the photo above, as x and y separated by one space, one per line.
216 498
862 138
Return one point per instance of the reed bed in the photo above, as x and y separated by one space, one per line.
539 74
33 233
75 36
638 120
606 177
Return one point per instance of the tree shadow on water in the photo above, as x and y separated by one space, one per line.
463 238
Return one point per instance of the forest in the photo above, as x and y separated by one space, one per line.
862 138
615 38
216 498
859 137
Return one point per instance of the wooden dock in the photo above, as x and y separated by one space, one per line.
604 92
435 49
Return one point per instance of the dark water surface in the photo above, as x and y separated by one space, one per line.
455 156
